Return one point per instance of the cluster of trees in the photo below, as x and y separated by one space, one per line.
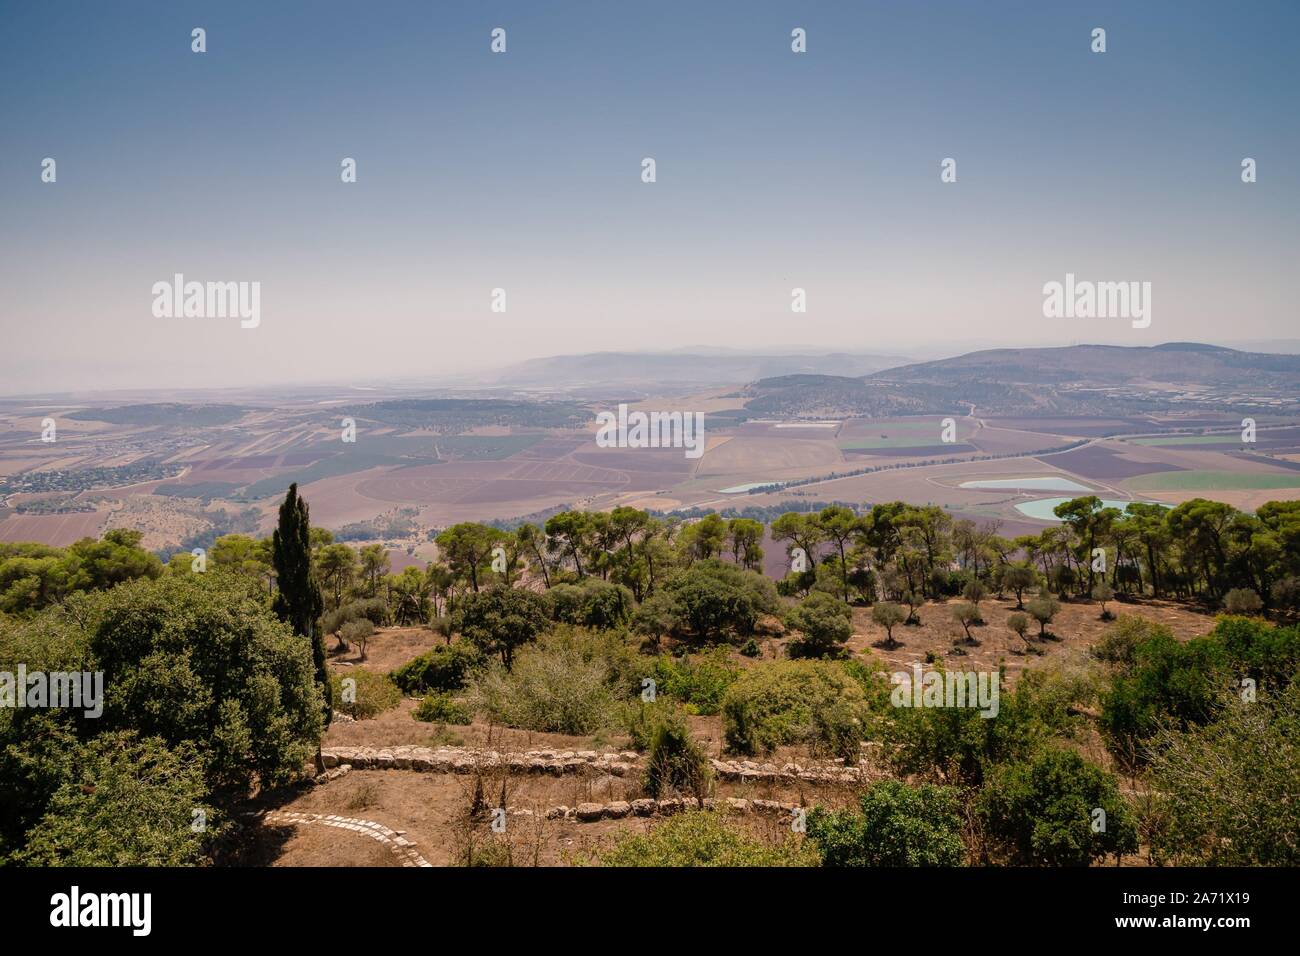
1200 550
700 580
35 576
206 694
211 688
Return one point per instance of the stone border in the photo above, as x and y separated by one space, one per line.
402 848
645 807
559 763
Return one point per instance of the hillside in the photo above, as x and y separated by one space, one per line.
1181 363
1074 380
684 368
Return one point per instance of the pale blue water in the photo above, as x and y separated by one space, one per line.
1055 483
1041 508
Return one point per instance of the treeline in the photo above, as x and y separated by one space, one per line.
1201 550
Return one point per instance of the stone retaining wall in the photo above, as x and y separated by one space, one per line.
591 812
562 762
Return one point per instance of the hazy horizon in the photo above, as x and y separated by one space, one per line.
522 171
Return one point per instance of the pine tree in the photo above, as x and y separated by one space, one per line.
298 600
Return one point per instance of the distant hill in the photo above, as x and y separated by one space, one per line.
657 369
1181 363
1076 380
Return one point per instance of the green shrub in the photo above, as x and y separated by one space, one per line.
592 603
751 649
126 802
197 658
700 838
824 623
1254 648
569 683
1118 645
446 667
958 744
1055 696
367 695
1242 601
1226 791
374 610
674 762
1043 811
700 682
1160 679
639 719
443 709
872 676
707 602
895 825
795 702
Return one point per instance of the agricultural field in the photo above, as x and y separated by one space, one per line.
189 471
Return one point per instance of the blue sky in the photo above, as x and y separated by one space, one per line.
522 171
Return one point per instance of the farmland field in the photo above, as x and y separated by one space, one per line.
1189 440
994 470
1212 481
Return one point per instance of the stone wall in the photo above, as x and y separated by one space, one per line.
562 762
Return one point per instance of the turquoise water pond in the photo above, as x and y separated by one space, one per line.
1041 508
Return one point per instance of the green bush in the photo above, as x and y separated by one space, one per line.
701 838
443 709
446 667
872 676
570 682
708 602
699 682
368 695
958 744
1160 679
1118 645
1242 601
1042 811
197 658
374 610
639 718
198 678
895 825
674 762
815 703
592 603
1226 791
1055 696
824 623
126 802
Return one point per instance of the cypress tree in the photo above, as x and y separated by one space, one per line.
298 601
